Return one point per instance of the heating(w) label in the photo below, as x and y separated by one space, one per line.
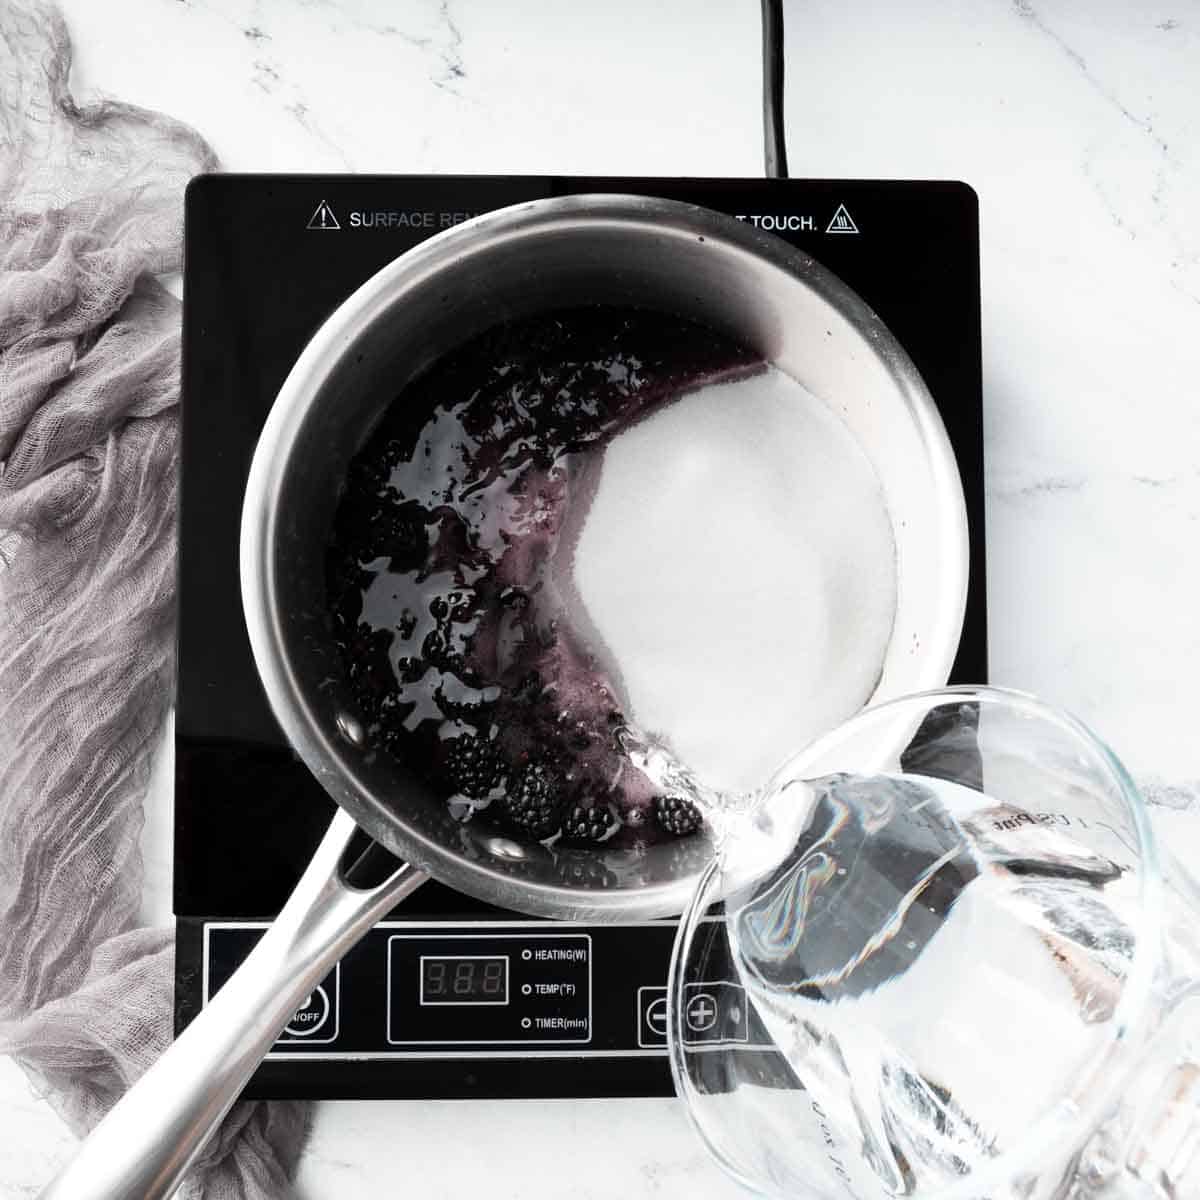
489 989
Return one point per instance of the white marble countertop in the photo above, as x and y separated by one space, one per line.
1079 127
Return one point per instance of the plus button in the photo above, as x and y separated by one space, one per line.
701 1012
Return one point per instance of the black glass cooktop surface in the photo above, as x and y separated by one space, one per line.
268 258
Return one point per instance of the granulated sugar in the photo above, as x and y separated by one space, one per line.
738 564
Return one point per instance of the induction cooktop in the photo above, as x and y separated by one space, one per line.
546 1008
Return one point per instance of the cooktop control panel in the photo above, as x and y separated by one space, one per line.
490 990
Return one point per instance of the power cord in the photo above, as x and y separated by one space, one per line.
774 144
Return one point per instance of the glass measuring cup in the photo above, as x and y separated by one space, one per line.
951 962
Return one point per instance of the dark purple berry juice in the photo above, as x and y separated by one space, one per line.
449 582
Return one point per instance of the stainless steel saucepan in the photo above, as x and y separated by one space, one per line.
511 263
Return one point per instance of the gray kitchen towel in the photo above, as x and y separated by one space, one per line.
90 214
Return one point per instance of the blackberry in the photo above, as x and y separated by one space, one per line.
472 766
589 824
532 802
676 815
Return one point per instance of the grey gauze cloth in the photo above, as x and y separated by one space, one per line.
90 212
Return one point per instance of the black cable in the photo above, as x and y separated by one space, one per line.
774 145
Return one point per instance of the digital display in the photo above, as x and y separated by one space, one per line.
464 980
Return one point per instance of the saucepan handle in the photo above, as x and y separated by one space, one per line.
144 1146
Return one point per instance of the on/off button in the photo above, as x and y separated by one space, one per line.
315 1022
312 1016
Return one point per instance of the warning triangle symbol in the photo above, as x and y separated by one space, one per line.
323 218
842 222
